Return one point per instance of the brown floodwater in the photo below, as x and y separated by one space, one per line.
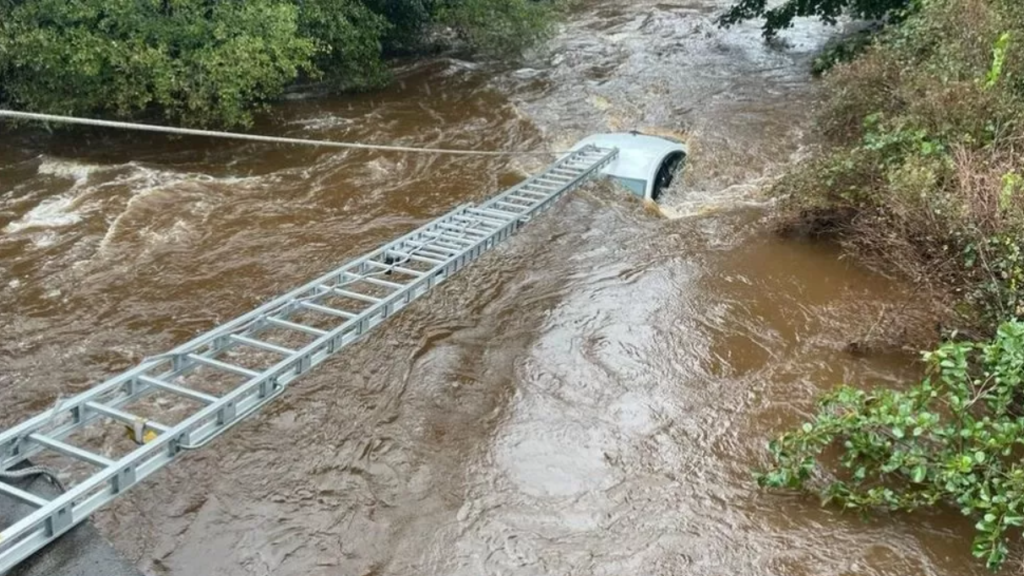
590 398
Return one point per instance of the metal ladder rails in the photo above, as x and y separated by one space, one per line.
231 371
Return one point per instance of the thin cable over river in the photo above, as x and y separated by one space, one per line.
589 399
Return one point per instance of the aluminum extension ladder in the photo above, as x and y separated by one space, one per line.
230 372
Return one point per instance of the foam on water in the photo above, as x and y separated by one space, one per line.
148 185
55 212
62 210
695 203
77 171
322 123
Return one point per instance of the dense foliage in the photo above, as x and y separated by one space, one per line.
781 16
213 61
921 167
953 438
921 172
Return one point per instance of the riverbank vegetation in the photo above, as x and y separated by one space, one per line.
920 171
213 62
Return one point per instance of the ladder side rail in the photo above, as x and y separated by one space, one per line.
532 179
81 416
209 339
595 166
62 513
11 452
83 499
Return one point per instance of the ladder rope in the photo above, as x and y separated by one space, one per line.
30 471
32 116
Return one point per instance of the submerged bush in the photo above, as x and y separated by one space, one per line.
954 438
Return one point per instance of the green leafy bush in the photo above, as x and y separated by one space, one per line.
205 62
842 50
920 171
497 26
920 135
954 438
199 62
349 36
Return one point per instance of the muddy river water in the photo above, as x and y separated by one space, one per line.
588 399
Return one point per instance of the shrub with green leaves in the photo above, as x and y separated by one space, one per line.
955 438
349 37
198 62
919 154
205 62
497 26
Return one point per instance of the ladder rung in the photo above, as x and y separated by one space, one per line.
549 189
559 183
73 451
448 244
262 344
416 258
324 310
505 217
126 417
354 295
384 283
295 326
511 205
442 242
430 252
437 248
432 246
565 172
464 229
25 497
529 192
489 220
475 221
546 190
460 243
529 202
181 390
395 268
226 367
514 215
455 240
350 278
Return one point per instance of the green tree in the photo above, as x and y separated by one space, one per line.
197 61
349 35
829 11
205 62
408 22
497 26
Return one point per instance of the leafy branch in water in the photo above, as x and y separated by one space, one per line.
781 17
954 438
